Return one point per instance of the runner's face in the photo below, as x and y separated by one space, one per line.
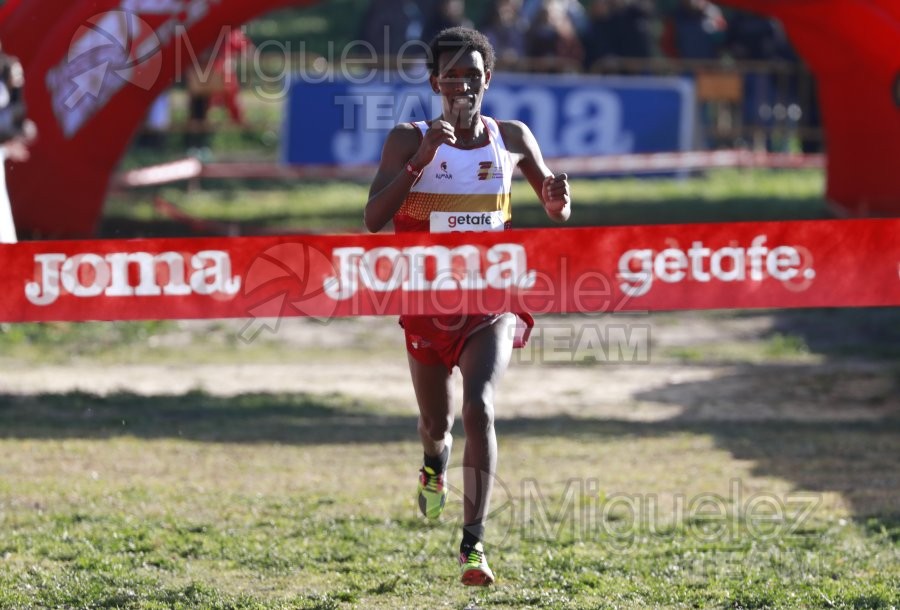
461 82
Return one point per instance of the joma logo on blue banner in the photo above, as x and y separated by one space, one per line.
346 123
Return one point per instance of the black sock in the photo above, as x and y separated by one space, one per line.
473 533
438 463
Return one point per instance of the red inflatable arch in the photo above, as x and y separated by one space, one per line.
88 101
853 48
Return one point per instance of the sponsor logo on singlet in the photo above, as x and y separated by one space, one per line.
444 174
449 222
487 171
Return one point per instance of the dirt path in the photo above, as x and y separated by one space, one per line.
808 388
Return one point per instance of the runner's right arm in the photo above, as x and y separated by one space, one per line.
405 154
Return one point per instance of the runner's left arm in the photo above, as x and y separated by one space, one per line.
553 190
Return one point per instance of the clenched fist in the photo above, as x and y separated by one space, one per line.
556 196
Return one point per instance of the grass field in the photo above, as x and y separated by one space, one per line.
725 195
750 462
289 499
258 502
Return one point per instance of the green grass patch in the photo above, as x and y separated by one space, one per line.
773 349
785 346
717 196
789 337
171 342
257 502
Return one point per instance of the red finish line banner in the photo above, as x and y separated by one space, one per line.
843 263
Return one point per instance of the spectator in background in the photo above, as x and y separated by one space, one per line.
446 14
552 38
573 9
157 123
16 134
237 47
752 37
388 24
635 24
696 29
771 95
505 28
600 41
620 29
215 82
201 82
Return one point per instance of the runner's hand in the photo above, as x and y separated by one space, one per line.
555 193
439 132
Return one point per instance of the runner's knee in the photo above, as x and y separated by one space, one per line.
433 427
477 413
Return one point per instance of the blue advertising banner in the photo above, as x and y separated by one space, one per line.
342 122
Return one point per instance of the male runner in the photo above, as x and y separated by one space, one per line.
430 173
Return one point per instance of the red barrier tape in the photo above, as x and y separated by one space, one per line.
836 263
593 166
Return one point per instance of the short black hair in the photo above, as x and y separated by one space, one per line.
460 40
